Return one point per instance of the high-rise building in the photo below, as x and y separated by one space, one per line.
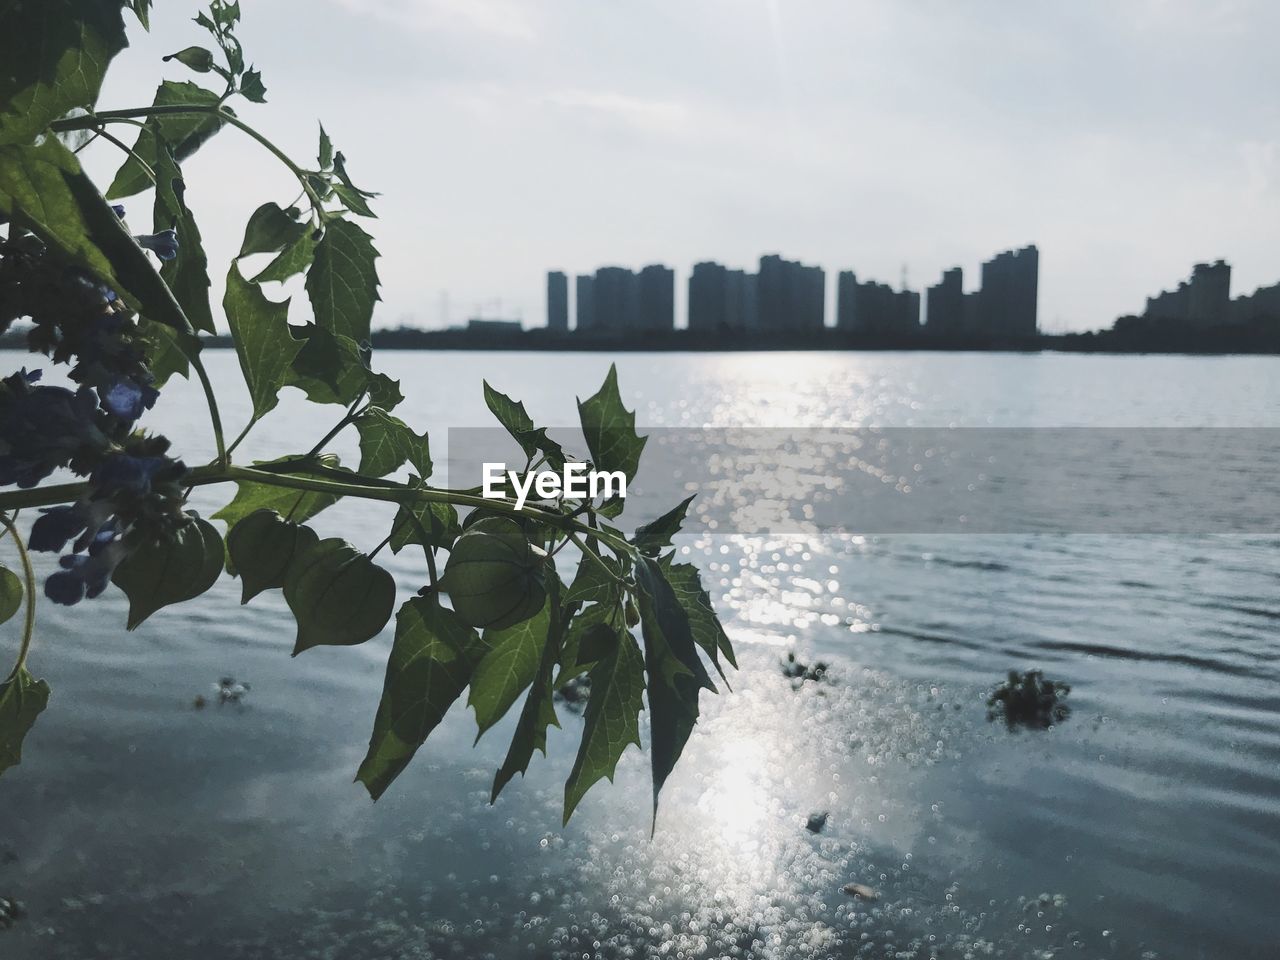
707 294
657 298
791 295
1261 305
944 304
875 308
557 301
586 306
1204 300
1008 299
617 299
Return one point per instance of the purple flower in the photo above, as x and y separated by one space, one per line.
163 244
55 526
44 428
122 473
83 576
119 210
125 398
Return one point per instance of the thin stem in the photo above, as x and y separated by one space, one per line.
110 138
587 551
29 626
243 433
341 425
214 417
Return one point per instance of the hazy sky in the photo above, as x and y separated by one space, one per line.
1127 139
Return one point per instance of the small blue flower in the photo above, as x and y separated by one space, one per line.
82 576
125 398
119 210
122 473
163 244
55 526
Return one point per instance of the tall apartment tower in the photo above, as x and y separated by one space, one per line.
657 296
791 295
1010 288
586 307
876 308
944 304
557 301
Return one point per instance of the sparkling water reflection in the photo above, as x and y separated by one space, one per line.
1146 825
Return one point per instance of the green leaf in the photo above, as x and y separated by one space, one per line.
22 699
11 593
387 442
582 645
296 505
675 673
612 719
187 274
539 710
199 59
168 351
352 200
512 415
185 133
251 86
176 568
294 259
325 156
270 229
343 282
44 188
508 667
328 368
425 524
338 596
708 634
610 429
54 55
262 547
260 329
432 660
652 538
596 580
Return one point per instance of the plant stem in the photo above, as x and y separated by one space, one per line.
214 417
29 626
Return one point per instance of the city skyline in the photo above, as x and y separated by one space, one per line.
1128 140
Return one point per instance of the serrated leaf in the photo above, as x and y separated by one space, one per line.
328 368
338 596
432 661
11 593
612 719
583 644
610 429
325 155
430 525
187 274
539 710
296 505
675 674
708 634
517 422
168 351
185 133
270 229
352 200
596 580
652 538
262 547
260 329
22 700
44 187
251 86
176 568
293 260
386 443
508 667
54 55
343 280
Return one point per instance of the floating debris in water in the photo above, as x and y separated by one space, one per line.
817 821
11 911
229 690
574 694
860 891
793 669
1029 700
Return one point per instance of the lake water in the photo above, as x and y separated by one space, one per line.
1147 824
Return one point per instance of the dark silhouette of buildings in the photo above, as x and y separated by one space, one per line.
557 301
722 299
1263 305
875 308
1004 308
1202 301
585 290
791 295
1008 298
617 301
944 304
